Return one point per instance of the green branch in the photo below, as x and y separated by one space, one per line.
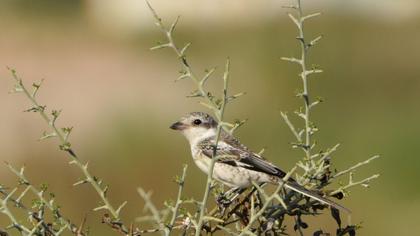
179 201
217 106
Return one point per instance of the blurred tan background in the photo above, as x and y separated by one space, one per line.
121 97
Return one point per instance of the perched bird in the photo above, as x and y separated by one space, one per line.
236 166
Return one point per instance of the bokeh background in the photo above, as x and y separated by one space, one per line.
121 97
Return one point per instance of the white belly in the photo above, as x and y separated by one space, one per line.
232 176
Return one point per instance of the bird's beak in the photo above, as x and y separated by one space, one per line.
177 126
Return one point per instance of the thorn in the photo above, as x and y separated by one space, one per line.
297 23
7 198
131 230
183 76
172 28
291 59
105 191
161 46
184 49
82 225
104 207
315 41
81 182
121 207
310 16
290 7
207 76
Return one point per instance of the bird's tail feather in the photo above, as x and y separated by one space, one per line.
300 189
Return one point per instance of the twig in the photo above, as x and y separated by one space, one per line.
214 157
305 95
291 126
152 208
178 202
355 166
5 210
216 107
352 184
188 72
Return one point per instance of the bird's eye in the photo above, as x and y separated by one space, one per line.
197 121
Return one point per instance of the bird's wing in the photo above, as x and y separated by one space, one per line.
230 151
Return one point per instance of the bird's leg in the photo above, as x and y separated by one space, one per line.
225 199
233 193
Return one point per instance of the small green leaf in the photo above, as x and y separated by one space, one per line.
65 146
44 187
36 87
17 89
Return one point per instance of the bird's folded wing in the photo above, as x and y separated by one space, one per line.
238 155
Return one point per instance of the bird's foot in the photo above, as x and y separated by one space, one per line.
222 200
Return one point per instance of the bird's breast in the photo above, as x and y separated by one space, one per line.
202 161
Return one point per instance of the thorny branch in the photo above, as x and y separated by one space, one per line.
36 216
316 167
217 106
63 134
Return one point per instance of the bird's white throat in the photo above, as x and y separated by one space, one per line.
195 135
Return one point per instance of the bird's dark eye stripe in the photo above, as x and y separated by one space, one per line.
197 121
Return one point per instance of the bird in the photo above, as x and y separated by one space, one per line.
236 165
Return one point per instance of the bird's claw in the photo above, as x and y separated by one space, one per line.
223 203
222 200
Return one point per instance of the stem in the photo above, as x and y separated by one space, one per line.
304 78
40 195
355 166
182 57
178 201
152 208
214 157
218 109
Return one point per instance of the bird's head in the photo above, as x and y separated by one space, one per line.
196 126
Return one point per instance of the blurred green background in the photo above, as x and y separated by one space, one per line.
121 98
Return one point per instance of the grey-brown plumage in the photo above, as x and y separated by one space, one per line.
236 166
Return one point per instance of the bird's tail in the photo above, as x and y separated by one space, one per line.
300 189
